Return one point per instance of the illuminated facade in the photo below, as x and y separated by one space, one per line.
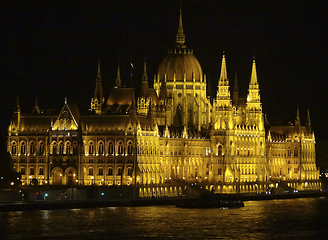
169 134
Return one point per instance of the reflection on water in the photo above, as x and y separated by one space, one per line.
277 219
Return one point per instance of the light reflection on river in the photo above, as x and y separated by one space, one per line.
277 219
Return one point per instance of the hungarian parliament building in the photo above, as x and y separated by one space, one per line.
171 133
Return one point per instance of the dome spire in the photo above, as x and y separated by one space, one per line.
118 79
180 37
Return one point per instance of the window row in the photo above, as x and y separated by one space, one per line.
110 171
31 171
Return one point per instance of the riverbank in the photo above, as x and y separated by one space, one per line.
138 202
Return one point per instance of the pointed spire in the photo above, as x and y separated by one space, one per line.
297 121
253 81
17 103
308 122
98 89
235 96
36 106
223 75
98 72
118 79
145 76
144 85
180 37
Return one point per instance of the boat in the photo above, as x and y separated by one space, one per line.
213 201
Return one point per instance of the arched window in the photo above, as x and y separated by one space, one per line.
110 172
41 171
111 148
23 148
295 152
289 152
32 147
100 148
90 171
100 171
22 170
13 148
32 172
91 148
54 148
220 150
120 148
130 148
130 170
61 148
68 148
41 148
119 171
74 147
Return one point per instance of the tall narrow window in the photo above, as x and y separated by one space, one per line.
220 150
32 171
74 147
41 171
100 171
130 148
32 148
101 148
91 148
111 148
110 172
68 148
22 170
130 170
23 148
41 148
54 148
120 148
295 152
90 171
119 171
61 148
13 148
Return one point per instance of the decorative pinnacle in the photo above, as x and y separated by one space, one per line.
118 79
223 75
145 76
180 37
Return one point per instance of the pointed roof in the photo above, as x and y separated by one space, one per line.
144 86
253 83
98 88
118 79
223 75
308 122
180 36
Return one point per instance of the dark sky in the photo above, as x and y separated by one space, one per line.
52 50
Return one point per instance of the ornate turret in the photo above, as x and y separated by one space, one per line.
98 99
223 94
253 105
144 99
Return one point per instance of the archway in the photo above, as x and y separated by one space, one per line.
57 176
71 176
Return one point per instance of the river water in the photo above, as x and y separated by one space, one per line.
275 219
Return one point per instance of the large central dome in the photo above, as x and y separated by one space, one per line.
180 64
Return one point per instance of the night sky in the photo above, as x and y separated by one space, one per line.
52 50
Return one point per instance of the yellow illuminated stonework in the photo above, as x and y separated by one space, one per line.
165 136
